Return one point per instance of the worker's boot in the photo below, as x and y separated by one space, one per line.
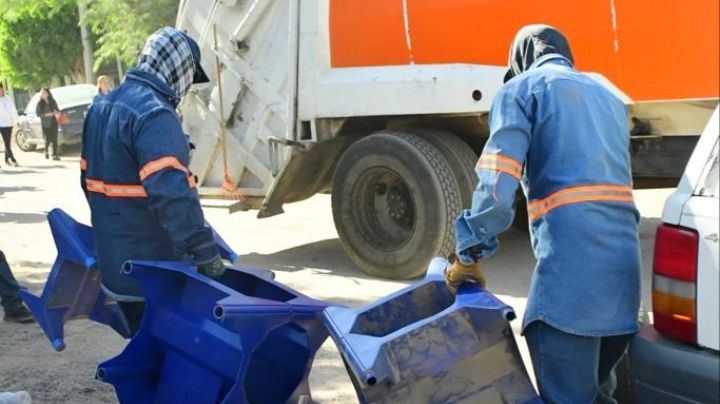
19 315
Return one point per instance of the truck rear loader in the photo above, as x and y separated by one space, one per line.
384 103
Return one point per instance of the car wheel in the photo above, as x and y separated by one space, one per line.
21 141
394 200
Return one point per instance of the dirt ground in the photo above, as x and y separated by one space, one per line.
301 246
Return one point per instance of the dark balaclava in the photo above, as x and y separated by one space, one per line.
533 42
173 57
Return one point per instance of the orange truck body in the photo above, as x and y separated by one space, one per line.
652 50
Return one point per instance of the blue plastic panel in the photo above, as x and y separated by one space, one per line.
241 339
72 290
424 345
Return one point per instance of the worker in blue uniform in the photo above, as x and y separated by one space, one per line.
134 171
564 137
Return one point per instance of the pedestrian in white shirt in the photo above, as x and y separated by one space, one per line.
8 120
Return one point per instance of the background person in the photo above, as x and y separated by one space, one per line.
565 137
46 109
8 120
103 84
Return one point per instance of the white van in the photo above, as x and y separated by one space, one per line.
676 359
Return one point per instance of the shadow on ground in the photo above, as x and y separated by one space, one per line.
18 189
22 218
325 255
18 172
52 166
508 273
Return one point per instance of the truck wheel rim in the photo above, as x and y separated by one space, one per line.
386 216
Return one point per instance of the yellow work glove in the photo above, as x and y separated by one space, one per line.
459 273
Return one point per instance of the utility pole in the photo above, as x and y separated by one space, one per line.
87 46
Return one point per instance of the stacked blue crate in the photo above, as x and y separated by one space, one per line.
243 338
424 345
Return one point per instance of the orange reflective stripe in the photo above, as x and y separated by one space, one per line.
500 163
94 186
83 164
115 190
586 188
590 193
159 164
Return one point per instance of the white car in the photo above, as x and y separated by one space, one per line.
676 359
73 102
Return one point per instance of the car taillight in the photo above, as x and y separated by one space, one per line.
674 282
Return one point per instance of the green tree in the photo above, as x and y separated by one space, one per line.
119 27
122 26
39 42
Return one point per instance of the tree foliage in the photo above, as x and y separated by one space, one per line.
122 26
39 41
36 35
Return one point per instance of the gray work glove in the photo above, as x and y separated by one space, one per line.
213 269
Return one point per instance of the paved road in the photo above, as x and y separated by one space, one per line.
301 246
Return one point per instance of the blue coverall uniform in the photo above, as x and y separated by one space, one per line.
564 137
135 175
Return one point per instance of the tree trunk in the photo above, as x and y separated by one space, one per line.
87 46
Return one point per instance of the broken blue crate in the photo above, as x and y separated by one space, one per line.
243 338
424 345
72 290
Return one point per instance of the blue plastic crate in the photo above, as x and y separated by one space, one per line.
424 345
241 339
72 290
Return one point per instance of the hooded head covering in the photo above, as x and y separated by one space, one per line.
174 57
533 42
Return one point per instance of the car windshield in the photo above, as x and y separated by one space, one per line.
65 96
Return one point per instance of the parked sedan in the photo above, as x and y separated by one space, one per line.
73 102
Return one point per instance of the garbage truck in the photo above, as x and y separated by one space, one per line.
384 104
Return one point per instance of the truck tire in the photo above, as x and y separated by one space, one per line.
394 201
521 221
461 157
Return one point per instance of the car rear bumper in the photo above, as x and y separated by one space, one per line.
666 371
